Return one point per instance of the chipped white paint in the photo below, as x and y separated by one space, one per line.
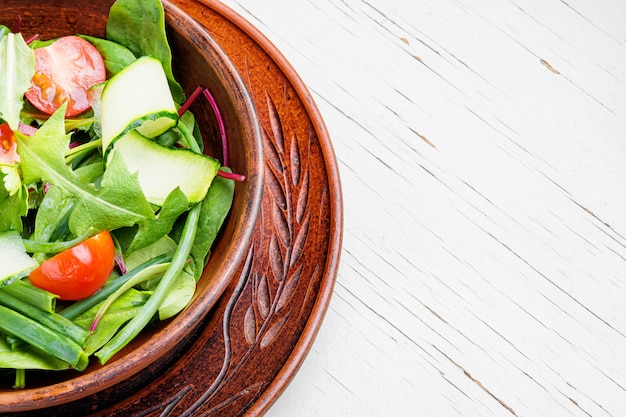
482 147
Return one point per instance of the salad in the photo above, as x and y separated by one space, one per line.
108 206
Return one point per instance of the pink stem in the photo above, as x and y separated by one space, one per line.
18 24
32 39
220 123
189 101
121 265
231 175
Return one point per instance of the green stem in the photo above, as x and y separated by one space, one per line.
20 378
128 332
189 138
42 338
79 307
37 297
145 275
73 153
52 321
33 246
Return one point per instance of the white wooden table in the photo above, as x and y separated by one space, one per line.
482 151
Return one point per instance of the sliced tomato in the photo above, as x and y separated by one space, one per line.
8 145
78 272
64 71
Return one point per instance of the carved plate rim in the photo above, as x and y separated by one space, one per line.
335 237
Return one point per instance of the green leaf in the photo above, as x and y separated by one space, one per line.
115 56
17 67
140 26
27 357
12 206
52 215
163 246
215 208
182 290
117 202
187 123
173 206
179 295
121 311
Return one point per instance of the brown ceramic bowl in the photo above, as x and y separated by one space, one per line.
198 60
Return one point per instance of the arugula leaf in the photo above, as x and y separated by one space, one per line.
52 216
175 205
17 67
117 202
140 26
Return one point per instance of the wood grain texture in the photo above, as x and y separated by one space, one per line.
481 149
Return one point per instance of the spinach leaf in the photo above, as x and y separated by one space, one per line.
182 290
140 26
215 208
178 296
27 357
119 312
17 67
116 57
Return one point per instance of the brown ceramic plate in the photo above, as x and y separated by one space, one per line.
249 347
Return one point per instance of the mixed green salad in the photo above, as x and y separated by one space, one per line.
108 206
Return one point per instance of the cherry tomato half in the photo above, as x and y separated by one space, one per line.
8 145
77 272
64 71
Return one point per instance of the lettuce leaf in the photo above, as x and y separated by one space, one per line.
17 67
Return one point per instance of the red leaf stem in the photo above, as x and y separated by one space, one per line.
231 175
189 101
220 122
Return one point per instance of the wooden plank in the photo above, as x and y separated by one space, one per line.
481 147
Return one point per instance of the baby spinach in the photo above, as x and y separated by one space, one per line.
215 208
116 56
121 311
27 357
140 27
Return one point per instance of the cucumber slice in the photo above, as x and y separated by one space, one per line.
14 261
161 169
137 97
